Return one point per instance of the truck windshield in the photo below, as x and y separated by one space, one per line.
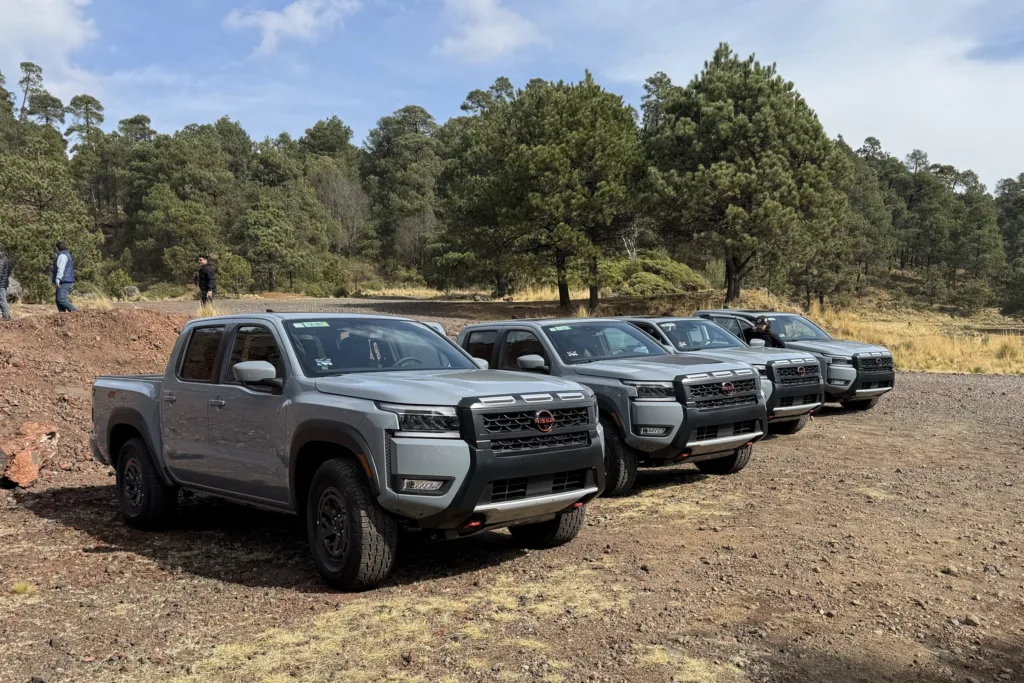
585 342
692 335
796 328
335 346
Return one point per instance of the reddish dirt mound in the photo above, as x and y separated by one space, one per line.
48 364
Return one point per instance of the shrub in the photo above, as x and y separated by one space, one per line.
234 275
165 290
116 281
317 291
648 284
971 296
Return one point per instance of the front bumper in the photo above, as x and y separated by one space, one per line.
794 393
852 382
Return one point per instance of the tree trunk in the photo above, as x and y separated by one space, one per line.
501 285
732 279
563 281
593 284
821 299
807 297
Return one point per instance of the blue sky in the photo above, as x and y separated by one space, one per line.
942 75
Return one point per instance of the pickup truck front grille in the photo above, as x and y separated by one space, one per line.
504 490
799 372
709 432
727 402
531 443
790 401
870 364
716 389
526 420
798 381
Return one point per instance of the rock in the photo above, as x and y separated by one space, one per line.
130 293
951 571
14 291
25 453
971 620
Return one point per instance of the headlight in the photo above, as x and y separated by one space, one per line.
663 391
841 360
424 418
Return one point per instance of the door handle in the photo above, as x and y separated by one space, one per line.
170 398
217 403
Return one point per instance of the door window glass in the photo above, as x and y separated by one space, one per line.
481 344
254 343
730 324
201 354
519 343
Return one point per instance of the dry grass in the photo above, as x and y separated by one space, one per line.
206 310
529 294
94 302
23 588
367 637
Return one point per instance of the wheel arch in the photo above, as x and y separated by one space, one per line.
128 423
318 441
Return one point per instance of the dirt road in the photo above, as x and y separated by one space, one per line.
879 546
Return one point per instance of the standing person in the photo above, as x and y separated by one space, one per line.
5 282
63 277
763 330
206 280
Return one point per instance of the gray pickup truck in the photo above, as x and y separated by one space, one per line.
362 425
656 408
790 380
856 374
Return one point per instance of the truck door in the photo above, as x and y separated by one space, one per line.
247 424
185 394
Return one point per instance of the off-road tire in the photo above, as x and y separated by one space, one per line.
551 534
730 464
352 539
145 500
620 461
863 404
791 427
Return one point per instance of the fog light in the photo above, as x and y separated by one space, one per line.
653 431
421 485
837 381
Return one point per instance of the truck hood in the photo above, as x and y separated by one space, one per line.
439 387
750 355
657 369
837 347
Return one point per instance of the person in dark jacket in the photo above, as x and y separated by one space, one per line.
763 330
206 279
5 282
63 277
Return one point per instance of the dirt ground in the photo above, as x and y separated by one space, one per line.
878 546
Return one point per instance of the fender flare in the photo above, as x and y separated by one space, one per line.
132 418
607 406
337 433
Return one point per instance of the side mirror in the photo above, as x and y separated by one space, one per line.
258 373
482 364
532 363
757 343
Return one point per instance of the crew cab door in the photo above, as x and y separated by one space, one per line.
517 343
185 393
247 423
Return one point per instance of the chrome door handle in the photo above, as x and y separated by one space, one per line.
217 403
170 398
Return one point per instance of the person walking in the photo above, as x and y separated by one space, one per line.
5 282
206 279
63 277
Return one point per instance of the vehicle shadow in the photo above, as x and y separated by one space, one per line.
654 478
219 540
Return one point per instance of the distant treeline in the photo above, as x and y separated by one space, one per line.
728 181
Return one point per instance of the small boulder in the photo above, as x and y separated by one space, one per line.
25 453
130 293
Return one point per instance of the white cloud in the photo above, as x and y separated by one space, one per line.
47 32
304 20
486 30
898 71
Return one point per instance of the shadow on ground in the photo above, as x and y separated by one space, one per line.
218 540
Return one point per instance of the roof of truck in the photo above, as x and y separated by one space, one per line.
304 316
545 321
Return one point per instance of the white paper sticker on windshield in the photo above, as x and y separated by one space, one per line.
319 323
324 363
561 328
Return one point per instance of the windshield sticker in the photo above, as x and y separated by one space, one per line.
319 323
572 354
560 328
324 363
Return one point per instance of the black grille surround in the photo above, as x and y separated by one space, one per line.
714 389
709 432
513 430
731 402
521 488
792 401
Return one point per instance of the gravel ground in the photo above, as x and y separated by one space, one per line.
876 546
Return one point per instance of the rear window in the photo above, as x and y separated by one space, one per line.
201 354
